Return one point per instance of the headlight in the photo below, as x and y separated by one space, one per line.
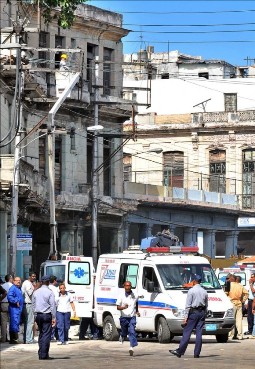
179 313
230 313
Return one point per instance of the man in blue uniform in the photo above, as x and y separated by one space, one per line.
196 307
44 308
15 299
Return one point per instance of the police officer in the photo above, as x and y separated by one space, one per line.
196 307
44 308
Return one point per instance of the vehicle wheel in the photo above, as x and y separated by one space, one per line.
110 331
222 338
164 334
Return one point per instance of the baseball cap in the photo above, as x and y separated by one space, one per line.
45 278
197 278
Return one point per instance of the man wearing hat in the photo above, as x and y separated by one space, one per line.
63 63
196 307
44 308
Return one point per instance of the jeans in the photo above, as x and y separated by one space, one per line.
28 323
253 331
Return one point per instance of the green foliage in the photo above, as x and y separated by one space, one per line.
65 16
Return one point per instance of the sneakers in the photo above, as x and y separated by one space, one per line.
121 340
60 343
175 353
66 343
248 333
131 351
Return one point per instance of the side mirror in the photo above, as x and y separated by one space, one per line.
150 286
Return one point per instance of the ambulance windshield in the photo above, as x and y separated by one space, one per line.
181 276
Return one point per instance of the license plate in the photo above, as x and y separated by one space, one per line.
210 327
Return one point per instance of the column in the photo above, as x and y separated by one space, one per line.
190 236
231 243
209 243
67 240
126 235
3 243
148 229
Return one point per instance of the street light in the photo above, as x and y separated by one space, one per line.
94 190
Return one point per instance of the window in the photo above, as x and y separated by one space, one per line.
58 165
43 56
230 102
217 163
107 167
60 44
79 273
107 71
248 178
127 167
42 156
149 275
173 168
128 272
203 75
57 270
92 51
165 76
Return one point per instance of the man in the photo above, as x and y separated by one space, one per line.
127 304
44 308
195 309
4 307
53 287
15 299
250 317
28 288
253 312
237 295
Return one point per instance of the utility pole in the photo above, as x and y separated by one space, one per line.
94 190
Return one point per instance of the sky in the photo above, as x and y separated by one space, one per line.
222 30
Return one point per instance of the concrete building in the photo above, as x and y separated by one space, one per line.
94 48
202 181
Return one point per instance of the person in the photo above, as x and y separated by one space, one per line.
4 307
28 287
195 309
16 300
250 317
44 308
237 295
253 312
63 63
64 304
53 287
229 278
85 324
127 304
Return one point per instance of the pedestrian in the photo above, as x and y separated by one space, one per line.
250 316
28 287
16 301
5 307
64 304
88 323
253 312
63 63
44 308
127 304
53 287
195 310
237 295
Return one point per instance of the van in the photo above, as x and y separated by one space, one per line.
243 271
160 276
77 274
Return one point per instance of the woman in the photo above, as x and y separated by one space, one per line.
64 304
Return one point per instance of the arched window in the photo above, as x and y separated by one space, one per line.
217 181
249 178
173 168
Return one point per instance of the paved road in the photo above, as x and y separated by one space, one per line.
149 355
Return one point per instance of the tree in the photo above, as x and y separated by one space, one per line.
62 10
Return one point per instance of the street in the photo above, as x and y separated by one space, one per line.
149 354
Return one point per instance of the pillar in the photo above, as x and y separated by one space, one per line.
209 243
126 235
190 236
231 243
3 243
72 239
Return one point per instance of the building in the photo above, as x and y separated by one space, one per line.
93 48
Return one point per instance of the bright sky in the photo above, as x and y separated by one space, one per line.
212 29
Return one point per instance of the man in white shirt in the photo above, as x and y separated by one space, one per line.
127 304
28 287
4 308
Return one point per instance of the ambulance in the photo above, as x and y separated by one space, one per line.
244 271
161 277
77 274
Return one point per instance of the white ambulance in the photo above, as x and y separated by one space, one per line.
243 271
77 274
161 277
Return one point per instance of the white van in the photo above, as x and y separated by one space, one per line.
77 274
161 280
239 270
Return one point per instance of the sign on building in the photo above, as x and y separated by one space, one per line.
246 222
24 242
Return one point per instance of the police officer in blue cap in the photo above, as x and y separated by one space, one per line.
43 304
196 307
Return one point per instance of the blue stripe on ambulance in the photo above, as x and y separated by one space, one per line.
141 304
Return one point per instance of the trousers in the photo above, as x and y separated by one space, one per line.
128 328
195 321
44 325
4 320
63 325
28 323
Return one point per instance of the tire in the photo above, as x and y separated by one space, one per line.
110 331
222 338
164 334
